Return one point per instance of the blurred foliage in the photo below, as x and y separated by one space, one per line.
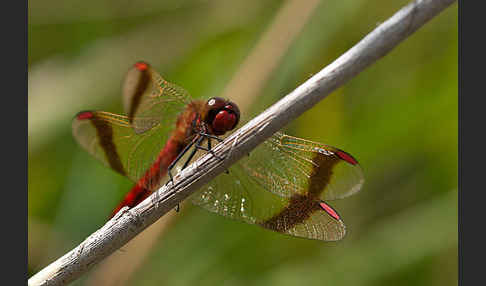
398 117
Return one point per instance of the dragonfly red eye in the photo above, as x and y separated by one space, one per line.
224 121
222 116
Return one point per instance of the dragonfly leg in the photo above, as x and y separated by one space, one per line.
209 147
209 150
179 156
192 153
211 136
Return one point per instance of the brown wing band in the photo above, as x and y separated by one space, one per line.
105 136
301 207
322 174
142 85
297 211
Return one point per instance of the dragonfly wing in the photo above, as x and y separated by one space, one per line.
237 196
131 144
282 186
111 139
286 165
149 100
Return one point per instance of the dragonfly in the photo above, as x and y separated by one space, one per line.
283 185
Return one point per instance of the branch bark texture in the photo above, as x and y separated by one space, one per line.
129 222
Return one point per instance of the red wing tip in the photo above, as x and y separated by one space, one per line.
141 66
327 208
83 115
347 157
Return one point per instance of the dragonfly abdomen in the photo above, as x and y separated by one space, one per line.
152 178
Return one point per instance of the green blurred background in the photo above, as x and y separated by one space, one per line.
398 118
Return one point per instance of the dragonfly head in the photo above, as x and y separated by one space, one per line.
222 115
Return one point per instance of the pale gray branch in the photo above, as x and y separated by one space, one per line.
129 222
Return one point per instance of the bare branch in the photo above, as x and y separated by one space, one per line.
128 223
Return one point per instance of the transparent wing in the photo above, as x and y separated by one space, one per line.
112 139
132 144
149 100
281 186
236 196
286 165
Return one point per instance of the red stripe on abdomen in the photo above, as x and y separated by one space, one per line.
135 196
151 180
